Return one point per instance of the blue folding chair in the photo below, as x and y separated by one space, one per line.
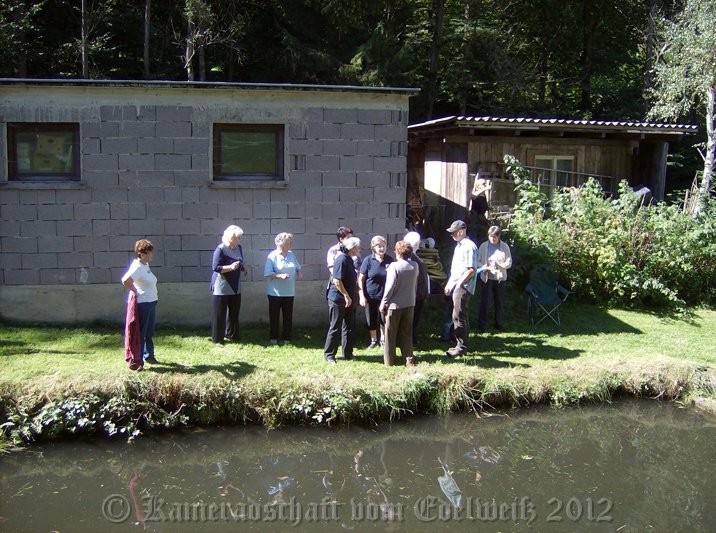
545 295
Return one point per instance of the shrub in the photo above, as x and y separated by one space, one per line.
616 250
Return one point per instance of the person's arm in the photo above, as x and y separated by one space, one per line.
127 279
299 268
467 275
223 269
388 291
507 263
129 283
361 289
331 258
339 285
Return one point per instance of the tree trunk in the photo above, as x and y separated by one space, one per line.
438 6
649 55
202 64
189 56
465 84
147 18
588 27
83 41
21 53
710 146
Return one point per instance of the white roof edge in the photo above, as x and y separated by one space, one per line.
461 121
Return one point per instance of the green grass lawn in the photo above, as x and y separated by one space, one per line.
594 352
589 337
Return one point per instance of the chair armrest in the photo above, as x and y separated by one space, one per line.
564 291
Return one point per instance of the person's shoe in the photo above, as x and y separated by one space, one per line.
373 344
331 361
151 360
500 328
349 358
409 362
273 342
287 343
382 343
454 352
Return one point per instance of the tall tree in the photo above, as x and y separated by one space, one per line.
18 29
438 12
685 75
147 28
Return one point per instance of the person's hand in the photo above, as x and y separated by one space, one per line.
363 300
349 302
283 275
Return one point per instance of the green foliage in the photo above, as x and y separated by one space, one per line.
617 250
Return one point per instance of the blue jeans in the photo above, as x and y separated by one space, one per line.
147 319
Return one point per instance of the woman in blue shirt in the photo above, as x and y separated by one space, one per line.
281 271
371 283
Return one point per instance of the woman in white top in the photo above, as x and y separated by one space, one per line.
143 283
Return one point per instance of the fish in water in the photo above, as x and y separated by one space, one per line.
283 484
450 488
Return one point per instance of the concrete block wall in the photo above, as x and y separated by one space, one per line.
146 157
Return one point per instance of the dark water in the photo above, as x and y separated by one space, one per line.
634 466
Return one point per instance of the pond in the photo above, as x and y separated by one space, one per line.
629 466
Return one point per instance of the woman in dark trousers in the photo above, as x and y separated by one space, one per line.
342 296
228 264
371 283
495 257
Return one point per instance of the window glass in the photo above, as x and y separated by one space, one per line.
555 171
43 151
248 152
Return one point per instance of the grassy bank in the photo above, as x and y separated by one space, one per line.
59 381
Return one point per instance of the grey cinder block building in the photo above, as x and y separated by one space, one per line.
89 167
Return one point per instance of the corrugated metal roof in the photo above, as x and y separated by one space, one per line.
518 122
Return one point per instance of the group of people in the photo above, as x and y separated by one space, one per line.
281 271
489 263
391 289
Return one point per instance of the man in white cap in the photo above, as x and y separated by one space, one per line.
461 284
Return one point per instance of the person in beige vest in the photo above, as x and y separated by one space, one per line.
398 304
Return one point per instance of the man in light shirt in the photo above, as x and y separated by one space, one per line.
461 284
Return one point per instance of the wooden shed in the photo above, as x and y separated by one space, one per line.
446 155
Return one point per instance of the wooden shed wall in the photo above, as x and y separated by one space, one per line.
604 157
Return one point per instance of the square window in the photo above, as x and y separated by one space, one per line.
248 152
555 171
43 151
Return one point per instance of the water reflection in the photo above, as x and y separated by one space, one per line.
633 466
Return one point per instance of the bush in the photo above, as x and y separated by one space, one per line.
616 250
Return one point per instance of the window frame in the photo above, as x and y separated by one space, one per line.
554 171
15 128
279 131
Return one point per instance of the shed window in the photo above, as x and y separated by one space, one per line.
43 151
248 152
555 171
